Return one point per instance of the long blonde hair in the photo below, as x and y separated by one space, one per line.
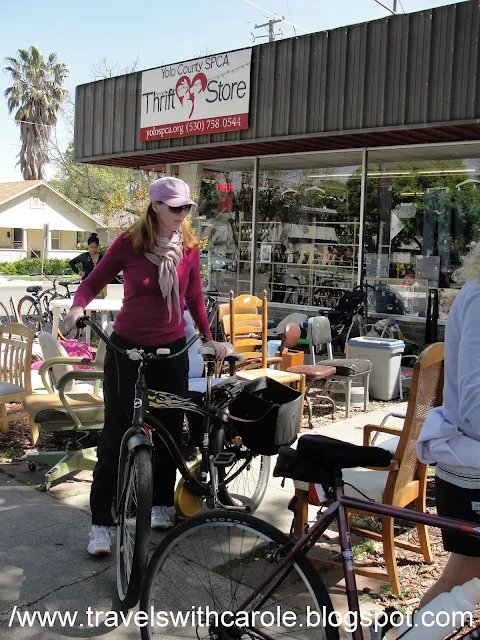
143 233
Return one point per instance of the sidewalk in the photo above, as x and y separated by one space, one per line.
44 565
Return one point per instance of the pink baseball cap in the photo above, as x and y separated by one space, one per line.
171 191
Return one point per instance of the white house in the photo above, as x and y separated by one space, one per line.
25 207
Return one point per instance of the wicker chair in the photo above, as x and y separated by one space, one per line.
404 483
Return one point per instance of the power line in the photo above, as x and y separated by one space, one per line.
295 26
38 124
392 11
291 17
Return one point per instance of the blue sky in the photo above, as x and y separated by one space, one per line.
157 33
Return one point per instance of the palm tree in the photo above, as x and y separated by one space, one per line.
36 95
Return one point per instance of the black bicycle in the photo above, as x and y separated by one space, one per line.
34 310
228 410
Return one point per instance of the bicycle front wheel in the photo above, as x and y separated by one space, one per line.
4 314
205 569
30 314
244 483
133 526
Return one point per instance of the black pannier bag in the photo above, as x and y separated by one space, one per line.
266 414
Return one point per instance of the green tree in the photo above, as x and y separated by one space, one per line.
107 192
36 96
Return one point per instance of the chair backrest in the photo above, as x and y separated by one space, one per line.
297 318
426 392
319 333
249 331
16 344
196 364
243 305
51 348
102 347
291 336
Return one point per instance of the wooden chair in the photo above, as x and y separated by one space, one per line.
242 305
403 483
16 343
248 332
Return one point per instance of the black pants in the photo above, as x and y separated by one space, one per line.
119 392
458 502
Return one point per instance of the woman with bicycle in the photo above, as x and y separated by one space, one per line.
160 259
450 436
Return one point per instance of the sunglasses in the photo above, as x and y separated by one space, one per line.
185 207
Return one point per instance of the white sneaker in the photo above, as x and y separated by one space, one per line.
99 544
161 518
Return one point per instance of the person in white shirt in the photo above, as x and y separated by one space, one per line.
450 437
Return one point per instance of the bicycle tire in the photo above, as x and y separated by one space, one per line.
33 321
209 527
227 494
129 574
4 315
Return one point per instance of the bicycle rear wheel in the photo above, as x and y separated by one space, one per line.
133 526
211 564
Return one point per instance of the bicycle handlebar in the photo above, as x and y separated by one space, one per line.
134 354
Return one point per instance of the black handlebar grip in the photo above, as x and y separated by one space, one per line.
81 322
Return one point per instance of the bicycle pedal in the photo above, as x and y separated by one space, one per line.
224 459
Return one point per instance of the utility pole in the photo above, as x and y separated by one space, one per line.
271 30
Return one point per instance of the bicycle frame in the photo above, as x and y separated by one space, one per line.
338 510
137 435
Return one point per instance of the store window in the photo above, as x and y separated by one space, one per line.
421 218
223 221
308 229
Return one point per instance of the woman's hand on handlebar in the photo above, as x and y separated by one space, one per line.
72 317
221 351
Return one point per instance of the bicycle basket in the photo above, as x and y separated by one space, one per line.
266 414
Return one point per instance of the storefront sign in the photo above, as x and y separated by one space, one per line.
202 96
224 187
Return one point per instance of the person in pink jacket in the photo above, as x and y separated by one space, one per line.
160 259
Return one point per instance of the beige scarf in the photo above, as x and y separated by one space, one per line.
167 254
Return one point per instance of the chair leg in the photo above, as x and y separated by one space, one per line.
310 415
388 536
366 393
300 518
34 432
3 416
348 393
422 530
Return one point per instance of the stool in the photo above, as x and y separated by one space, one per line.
313 373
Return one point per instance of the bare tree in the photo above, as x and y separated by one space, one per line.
104 68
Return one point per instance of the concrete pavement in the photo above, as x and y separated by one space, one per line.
44 565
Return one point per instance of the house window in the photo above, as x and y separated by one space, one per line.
38 201
55 239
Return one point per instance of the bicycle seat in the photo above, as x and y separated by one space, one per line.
66 283
34 288
336 454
